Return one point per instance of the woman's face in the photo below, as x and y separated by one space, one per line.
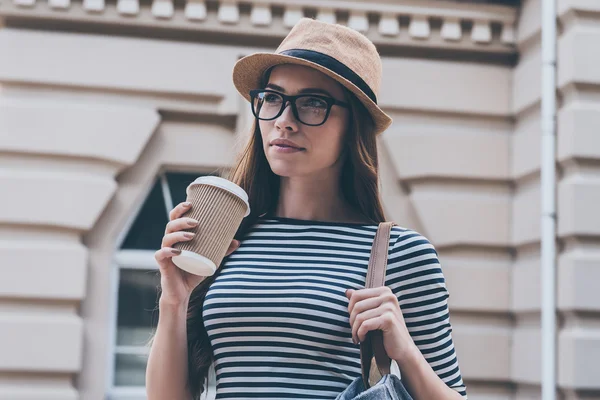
319 147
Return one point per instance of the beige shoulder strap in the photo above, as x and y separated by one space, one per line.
373 347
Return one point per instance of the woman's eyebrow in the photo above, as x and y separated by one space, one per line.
315 90
275 87
301 91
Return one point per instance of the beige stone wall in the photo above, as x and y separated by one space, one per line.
578 195
89 142
449 155
525 233
579 198
88 120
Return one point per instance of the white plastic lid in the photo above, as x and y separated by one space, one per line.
194 263
223 184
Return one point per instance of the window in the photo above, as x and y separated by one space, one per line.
138 280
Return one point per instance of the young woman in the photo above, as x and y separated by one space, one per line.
283 316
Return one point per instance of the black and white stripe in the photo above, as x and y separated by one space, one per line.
277 315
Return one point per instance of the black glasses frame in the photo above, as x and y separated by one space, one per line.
330 101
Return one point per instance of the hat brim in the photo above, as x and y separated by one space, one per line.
248 72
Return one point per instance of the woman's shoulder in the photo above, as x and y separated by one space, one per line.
413 264
402 237
410 248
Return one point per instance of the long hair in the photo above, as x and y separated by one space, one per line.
360 187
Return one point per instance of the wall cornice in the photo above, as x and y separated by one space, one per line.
459 26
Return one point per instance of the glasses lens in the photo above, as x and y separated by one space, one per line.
266 105
311 110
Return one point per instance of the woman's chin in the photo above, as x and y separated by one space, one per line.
285 169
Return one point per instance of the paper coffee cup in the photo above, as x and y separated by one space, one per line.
219 206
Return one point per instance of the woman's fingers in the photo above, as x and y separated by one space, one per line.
363 306
179 210
354 296
180 224
369 304
364 319
166 253
233 246
171 238
374 313
377 323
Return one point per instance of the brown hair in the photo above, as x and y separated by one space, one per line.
359 182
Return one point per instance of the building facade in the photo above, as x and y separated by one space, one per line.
108 108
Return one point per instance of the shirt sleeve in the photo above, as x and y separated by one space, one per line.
415 276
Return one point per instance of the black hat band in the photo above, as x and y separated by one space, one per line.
333 65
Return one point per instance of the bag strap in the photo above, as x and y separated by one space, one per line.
373 344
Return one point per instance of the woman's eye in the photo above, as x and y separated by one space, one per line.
314 102
271 98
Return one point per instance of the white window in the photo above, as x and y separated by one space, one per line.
136 289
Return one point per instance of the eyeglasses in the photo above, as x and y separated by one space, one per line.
309 109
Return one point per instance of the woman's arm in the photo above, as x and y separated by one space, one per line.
420 379
167 370
377 309
412 313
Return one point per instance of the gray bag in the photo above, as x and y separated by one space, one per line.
376 383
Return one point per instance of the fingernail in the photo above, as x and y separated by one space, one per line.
176 251
189 235
192 222
187 204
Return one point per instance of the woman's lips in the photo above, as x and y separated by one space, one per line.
285 146
285 149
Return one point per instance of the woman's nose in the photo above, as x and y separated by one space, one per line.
287 120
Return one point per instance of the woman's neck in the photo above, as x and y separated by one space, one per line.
310 198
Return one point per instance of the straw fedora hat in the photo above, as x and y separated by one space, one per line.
337 51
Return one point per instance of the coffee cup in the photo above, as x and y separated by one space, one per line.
219 206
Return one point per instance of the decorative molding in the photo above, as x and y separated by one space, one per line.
24 3
389 25
291 15
358 20
229 12
481 32
59 4
195 10
327 15
128 7
261 15
93 5
451 29
509 34
419 27
163 8
464 26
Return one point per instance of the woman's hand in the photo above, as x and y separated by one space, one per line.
378 309
176 284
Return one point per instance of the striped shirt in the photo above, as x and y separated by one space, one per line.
277 315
